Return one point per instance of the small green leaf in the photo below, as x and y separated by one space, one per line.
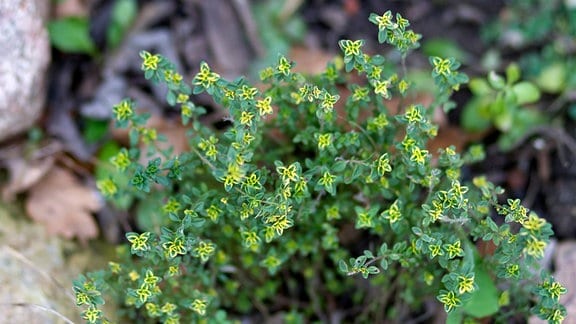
373 270
455 317
526 92
378 60
484 300
71 35
94 130
368 254
476 116
504 120
382 36
510 98
479 87
339 166
342 266
498 106
171 98
360 261
512 73
496 81
124 13
552 79
442 47
384 264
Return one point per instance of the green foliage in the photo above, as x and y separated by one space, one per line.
274 204
445 48
541 33
123 14
71 35
483 300
94 130
503 103
279 28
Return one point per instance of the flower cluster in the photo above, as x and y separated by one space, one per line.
225 224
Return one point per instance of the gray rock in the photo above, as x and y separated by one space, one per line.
25 56
37 271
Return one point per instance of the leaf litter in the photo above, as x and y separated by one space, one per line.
61 203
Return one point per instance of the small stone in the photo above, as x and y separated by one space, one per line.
565 265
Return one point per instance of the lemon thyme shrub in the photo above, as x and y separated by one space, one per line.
317 187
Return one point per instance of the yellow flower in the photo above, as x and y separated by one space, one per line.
385 21
247 93
204 250
403 86
114 267
175 247
327 179
124 110
351 48
251 240
107 187
381 88
150 278
465 284
288 174
199 306
383 164
413 114
324 140
150 62
328 101
121 160
264 106
173 271
441 66
392 214
246 118
435 250
143 293
133 275
152 309
182 98
535 247
92 314
418 155
284 66
168 308
139 242
82 298
206 78
449 299
533 223
454 249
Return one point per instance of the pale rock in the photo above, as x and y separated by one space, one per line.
25 49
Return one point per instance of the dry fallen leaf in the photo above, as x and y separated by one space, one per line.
24 174
309 61
63 205
174 132
24 168
70 8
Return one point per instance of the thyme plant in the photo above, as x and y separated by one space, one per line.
316 185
